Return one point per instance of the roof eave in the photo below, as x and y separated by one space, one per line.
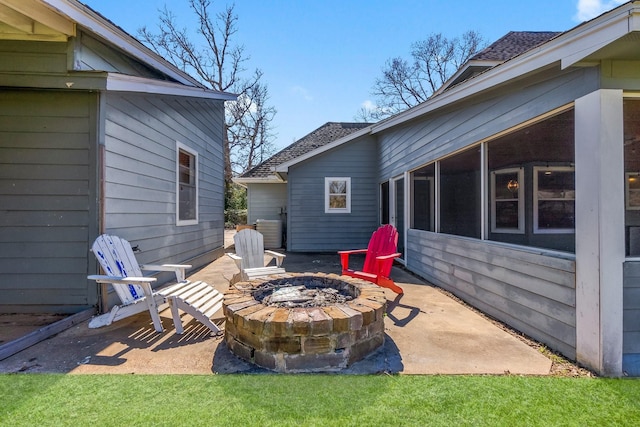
125 83
271 179
86 17
568 49
463 69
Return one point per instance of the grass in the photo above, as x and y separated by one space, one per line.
315 400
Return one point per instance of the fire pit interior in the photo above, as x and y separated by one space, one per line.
304 322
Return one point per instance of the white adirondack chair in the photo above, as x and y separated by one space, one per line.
250 255
116 258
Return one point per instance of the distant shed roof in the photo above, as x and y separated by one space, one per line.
323 135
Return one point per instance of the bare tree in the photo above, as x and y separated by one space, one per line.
406 83
248 132
219 64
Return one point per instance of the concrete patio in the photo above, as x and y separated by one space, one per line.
427 332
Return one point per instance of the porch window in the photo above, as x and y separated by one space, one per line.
423 198
337 195
631 113
460 194
187 186
554 199
507 201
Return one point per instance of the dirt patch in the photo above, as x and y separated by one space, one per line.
14 326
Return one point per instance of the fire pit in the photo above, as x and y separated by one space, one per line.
304 322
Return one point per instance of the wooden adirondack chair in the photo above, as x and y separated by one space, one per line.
380 253
250 255
116 258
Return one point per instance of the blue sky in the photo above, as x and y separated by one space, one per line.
320 58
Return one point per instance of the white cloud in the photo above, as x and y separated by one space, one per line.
302 92
588 9
369 105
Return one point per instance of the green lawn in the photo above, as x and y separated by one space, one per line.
315 400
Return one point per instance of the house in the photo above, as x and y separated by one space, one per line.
97 134
515 187
267 192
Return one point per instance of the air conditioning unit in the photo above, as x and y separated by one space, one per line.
271 231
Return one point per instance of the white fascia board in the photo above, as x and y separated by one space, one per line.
608 27
594 35
271 179
125 83
85 17
475 63
284 167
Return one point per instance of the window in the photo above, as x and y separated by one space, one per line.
631 111
507 201
460 194
187 186
423 200
337 195
384 200
554 199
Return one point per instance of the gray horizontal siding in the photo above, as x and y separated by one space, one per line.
140 155
47 191
33 57
93 55
631 306
310 229
532 291
422 141
631 319
266 201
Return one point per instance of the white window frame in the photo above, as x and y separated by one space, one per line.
520 199
181 147
327 195
536 229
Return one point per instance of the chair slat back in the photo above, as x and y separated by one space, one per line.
250 246
384 241
117 259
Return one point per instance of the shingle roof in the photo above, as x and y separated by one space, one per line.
512 44
324 135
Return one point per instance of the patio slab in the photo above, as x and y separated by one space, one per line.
427 332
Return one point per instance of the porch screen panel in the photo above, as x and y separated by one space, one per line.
460 194
631 111
531 186
423 198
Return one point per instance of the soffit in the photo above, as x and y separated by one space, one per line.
33 21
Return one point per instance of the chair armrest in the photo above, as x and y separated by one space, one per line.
178 269
165 267
355 251
344 257
237 259
386 257
277 255
384 263
121 280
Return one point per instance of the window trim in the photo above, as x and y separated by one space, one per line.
536 229
327 194
520 200
182 147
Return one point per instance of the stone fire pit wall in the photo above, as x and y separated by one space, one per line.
318 339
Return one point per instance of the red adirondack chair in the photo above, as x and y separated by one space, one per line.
381 252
